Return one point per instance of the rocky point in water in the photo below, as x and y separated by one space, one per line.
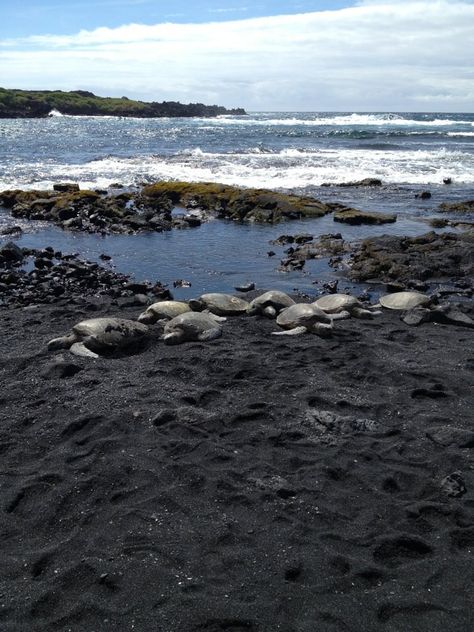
40 103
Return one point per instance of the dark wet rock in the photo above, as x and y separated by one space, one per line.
366 182
399 259
10 253
450 315
331 287
417 284
423 195
457 207
453 485
416 317
248 287
282 240
60 277
66 187
181 283
447 180
327 245
89 211
11 230
395 286
270 253
291 264
355 217
303 238
438 222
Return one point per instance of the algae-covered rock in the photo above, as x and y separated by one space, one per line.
457 207
355 217
258 205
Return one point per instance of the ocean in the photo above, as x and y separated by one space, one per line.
292 151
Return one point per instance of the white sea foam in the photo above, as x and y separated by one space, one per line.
354 119
467 134
288 169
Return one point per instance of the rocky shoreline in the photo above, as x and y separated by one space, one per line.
40 104
251 483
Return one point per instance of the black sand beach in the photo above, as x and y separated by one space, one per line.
253 483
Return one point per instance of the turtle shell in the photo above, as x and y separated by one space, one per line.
192 323
224 304
110 332
333 303
301 314
275 298
164 309
404 300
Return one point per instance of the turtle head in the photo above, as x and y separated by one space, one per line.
269 311
62 343
196 305
146 317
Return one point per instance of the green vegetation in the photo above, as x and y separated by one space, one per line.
259 205
39 103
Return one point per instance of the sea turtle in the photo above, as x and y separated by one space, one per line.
90 337
270 303
163 310
302 317
405 300
219 304
200 326
343 306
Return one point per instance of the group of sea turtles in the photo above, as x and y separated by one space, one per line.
201 319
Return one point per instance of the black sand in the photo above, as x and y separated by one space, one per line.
255 483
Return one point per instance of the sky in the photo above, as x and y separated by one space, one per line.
264 55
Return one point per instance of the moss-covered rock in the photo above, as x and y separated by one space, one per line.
355 217
457 207
259 205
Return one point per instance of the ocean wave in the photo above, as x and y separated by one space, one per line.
291 168
467 134
353 119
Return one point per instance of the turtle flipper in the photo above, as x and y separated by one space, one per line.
173 338
218 319
360 312
296 331
210 334
64 342
321 329
343 315
80 349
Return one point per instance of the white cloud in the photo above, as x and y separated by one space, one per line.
394 55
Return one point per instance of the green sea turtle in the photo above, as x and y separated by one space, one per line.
270 303
92 336
301 318
163 310
201 326
219 304
343 306
405 300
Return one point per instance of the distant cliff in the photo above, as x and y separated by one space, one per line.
39 103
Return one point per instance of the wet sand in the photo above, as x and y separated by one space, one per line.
253 483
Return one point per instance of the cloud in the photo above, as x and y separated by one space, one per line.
383 56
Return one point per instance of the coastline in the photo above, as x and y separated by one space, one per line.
254 482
